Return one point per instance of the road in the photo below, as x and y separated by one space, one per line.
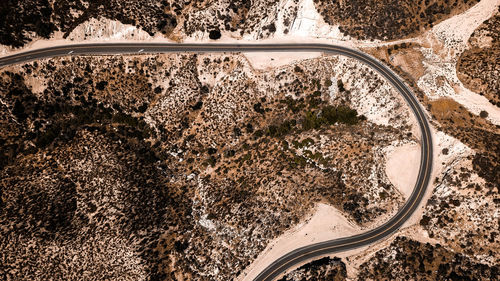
303 254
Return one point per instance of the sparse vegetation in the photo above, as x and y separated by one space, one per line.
173 19
409 259
478 66
477 133
234 161
325 269
388 19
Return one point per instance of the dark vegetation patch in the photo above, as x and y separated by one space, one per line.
214 34
45 209
327 115
43 18
388 19
417 261
478 66
43 123
18 17
324 269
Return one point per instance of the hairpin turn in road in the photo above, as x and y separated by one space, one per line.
303 254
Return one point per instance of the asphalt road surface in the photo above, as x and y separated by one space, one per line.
306 253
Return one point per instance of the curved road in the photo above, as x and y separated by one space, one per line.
305 253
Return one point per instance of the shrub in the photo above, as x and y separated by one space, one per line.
340 84
214 34
328 83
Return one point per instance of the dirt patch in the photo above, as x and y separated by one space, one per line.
270 60
451 114
410 60
402 167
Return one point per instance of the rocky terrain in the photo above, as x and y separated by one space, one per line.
320 270
458 228
478 66
406 259
388 19
24 20
184 165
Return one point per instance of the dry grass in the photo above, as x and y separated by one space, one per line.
451 114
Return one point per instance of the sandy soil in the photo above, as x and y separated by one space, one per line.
443 44
411 228
455 32
442 162
402 167
310 23
92 31
37 84
326 223
104 28
270 60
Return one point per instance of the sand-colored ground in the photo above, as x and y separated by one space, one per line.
456 31
310 23
411 228
326 223
268 60
456 151
402 167
107 29
442 46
